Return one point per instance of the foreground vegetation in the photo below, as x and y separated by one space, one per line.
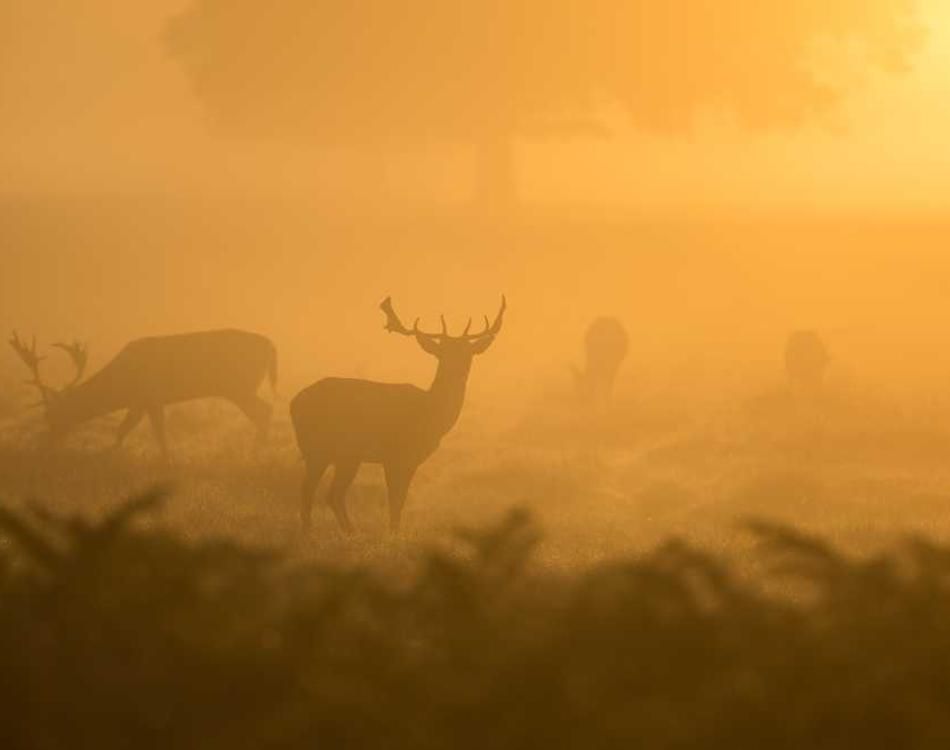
629 603
118 633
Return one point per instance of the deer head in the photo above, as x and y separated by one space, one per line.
453 352
78 353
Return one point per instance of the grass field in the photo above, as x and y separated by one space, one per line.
600 485
768 574
711 561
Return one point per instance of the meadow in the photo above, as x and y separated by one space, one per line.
773 573
745 544
601 485
711 560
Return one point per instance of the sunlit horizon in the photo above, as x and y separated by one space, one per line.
883 150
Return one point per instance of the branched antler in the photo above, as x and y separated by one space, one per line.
490 329
395 325
79 353
32 360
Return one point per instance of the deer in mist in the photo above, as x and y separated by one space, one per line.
346 422
150 373
605 348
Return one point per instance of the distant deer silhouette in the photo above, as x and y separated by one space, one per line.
346 422
605 348
150 373
806 361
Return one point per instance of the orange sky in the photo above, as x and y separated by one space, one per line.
130 122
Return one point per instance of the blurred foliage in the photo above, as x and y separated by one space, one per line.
536 66
120 634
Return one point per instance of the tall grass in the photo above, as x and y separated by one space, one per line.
117 633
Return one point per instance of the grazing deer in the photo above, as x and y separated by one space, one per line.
152 372
346 422
605 348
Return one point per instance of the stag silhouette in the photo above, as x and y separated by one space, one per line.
150 373
346 422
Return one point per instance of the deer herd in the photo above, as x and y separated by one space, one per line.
338 422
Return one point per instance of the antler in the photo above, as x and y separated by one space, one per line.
491 329
395 325
32 360
79 353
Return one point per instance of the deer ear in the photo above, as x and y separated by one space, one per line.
429 345
481 345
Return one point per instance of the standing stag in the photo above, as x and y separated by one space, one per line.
346 422
605 348
150 373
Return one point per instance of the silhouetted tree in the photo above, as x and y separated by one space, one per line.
377 73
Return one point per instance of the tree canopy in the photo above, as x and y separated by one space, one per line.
377 71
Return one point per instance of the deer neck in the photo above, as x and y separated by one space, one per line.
446 396
87 400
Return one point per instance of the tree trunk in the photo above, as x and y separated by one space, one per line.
495 169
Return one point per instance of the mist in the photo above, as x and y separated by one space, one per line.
575 367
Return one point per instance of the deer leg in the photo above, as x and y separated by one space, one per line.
132 418
157 417
343 476
311 481
398 479
258 411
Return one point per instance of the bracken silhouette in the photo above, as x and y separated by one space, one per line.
115 635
